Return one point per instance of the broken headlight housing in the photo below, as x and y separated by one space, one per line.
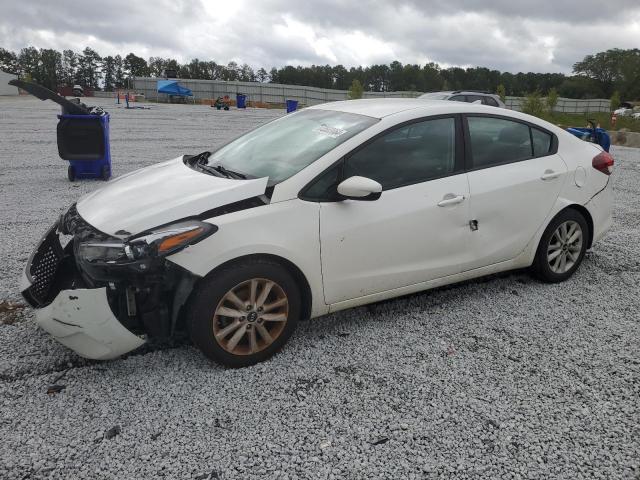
155 243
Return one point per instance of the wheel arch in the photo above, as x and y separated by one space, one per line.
296 273
587 216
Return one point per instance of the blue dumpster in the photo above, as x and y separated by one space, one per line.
594 135
292 106
241 100
83 140
83 134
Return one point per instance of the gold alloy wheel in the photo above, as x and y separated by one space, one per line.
250 316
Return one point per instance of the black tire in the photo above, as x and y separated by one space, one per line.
542 266
71 173
105 173
209 295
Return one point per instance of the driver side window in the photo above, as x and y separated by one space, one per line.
410 154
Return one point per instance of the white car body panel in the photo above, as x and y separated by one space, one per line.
134 202
288 230
350 252
83 321
400 239
510 202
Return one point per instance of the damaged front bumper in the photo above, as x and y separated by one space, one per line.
82 320
101 311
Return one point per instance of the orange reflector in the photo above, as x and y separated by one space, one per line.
178 240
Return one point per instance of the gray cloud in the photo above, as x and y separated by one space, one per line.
502 34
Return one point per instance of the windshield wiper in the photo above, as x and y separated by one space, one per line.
198 159
227 172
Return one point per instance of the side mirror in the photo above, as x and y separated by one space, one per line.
360 188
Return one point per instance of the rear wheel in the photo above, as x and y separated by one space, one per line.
71 173
244 314
562 247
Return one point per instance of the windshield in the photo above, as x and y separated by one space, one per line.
435 96
285 146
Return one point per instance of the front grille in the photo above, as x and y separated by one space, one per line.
44 266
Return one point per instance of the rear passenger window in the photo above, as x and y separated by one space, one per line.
474 98
411 154
541 142
495 141
489 101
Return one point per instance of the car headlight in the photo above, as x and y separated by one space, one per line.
158 242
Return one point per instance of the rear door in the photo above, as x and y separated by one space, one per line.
515 177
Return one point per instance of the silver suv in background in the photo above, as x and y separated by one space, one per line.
468 96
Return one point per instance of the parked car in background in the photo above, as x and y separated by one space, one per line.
469 96
626 109
338 205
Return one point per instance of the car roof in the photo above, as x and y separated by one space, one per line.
383 107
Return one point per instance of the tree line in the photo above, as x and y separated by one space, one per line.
596 76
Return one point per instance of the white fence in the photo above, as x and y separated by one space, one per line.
279 93
566 105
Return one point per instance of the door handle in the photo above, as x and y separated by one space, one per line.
550 175
450 199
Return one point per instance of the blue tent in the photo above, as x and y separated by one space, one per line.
171 87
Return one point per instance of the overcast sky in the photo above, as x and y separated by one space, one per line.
508 35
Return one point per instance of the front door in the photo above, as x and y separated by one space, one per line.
416 231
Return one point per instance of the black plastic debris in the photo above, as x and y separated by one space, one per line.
112 432
53 389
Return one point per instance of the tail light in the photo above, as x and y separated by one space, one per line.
603 162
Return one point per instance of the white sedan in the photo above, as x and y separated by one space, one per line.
337 205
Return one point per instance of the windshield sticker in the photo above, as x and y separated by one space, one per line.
332 132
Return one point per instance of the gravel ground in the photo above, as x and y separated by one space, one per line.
502 377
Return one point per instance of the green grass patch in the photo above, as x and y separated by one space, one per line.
581 120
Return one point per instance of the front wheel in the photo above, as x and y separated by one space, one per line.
562 247
71 173
244 314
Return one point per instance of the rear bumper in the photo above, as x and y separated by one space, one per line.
83 321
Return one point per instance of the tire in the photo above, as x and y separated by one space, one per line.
105 173
71 173
213 332
557 242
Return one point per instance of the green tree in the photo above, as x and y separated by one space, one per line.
135 66
533 104
356 90
29 63
262 75
502 92
552 99
8 61
246 73
89 66
118 63
69 67
50 68
615 101
613 69
109 73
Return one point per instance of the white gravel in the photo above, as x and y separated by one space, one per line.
503 377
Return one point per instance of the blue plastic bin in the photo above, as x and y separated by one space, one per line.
292 106
241 100
83 140
600 136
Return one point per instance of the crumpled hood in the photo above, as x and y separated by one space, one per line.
160 194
